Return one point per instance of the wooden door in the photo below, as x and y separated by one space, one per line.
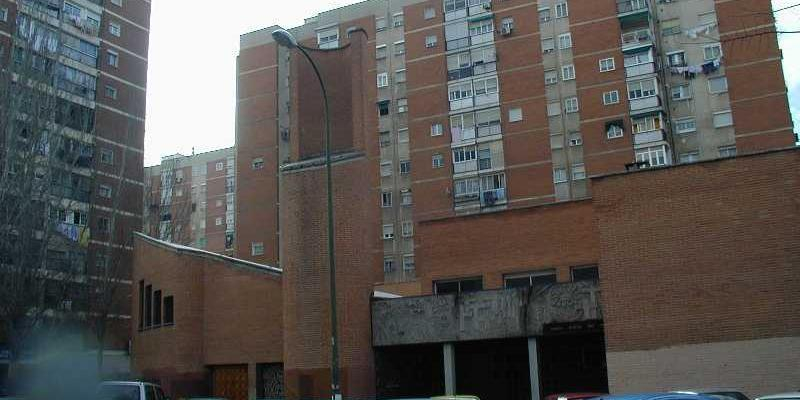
230 382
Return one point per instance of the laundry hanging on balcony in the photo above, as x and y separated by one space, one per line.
690 71
701 30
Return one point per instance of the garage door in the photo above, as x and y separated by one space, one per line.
230 382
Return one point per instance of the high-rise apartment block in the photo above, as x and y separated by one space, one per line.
190 200
74 74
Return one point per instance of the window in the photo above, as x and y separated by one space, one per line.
712 52
548 45
437 160
111 92
718 85
646 124
386 168
383 108
169 310
607 64
104 191
550 77
515 114
485 26
562 10
399 48
654 156
380 23
328 38
386 199
220 165
437 129
4 14
568 72
408 229
157 308
113 58
218 221
485 86
565 41
429 13
408 263
257 248
383 79
388 232
148 306
727 151
257 163
405 167
614 131
571 104
585 273
402 135
641 89
380 51
397 20
575 139
723 119
405 197
578 172
685 125
553 109
460 91
639 58
114 29
544 15
671 27
385 139
681 92
388 265
537 278
559 175
689 157
103 224
507 25
464 154
402 105
458 286
676 59
611 97
107 156
430 41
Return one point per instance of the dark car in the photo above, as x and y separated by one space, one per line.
656 396
573 396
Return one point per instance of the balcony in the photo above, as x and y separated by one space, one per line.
640 69
645 103
462 103
631 12
648 137
484 67
456 44
487 37
490 130
637 39
494 197
460 73
489 314
455 14
487 98
481 8
466 166
460 135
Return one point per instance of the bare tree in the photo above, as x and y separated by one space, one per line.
169 203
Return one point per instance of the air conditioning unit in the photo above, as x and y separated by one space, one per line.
506 30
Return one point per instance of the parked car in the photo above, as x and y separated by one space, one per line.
719 394
656 396
782 396
573 396
129 390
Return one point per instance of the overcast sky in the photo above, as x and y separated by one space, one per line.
192 65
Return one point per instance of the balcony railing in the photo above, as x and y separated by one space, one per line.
461 103
640 69
490 130
636 38
454 15
631 6
487 98
460 73
648 137
482 68
466 166
645 103
487 37
456 44
462 134
493 197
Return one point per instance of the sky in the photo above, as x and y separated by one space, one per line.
191 80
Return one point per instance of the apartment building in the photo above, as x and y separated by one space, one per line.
89 60
449 110
190 200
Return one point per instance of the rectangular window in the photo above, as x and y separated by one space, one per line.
111 92
544 15
550 77
676 59
430 41
529 279
607 64
568 72
104 191
388 265
383 108
562 10
380 23
219 166
723 119
727 151
585 273
328 38
386 199
464 154
408 263
397 20
712 52
646 124
115 29
388 232
257 248
113 58
157 308
4 14
559 175
641 89
671 27
515 114
405 167
718 85
218 221
681 92
380 51
460 91
257 163
169 310
639 58
437 130
386 168
685 125
458 286
399 48
429 13
402 105
437 161
611 97
578 172
103 224
571 104
690 157
548 45
565 41
406 198
148 306
141 305
408 229
383 79
553 109
614 131
107 156
575 139
402 135
507 25
654 156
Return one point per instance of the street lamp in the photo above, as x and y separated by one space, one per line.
286 39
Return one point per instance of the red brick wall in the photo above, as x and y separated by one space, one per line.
700 253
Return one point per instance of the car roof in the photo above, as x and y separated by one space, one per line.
655 396
787 395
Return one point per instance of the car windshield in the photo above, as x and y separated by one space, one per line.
118 392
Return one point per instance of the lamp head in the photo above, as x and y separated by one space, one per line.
284 38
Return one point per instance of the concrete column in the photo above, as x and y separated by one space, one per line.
252 373
533 368
449 353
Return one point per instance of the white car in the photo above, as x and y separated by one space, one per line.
129 390
781 396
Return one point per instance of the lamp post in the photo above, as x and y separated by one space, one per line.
286 39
